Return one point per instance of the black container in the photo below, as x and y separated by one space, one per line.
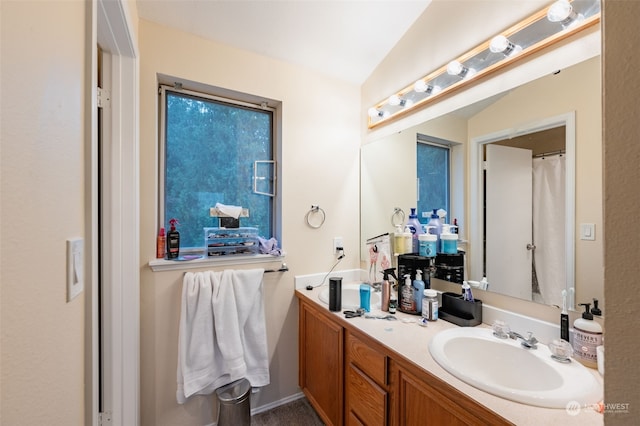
460 312
450 267
335 294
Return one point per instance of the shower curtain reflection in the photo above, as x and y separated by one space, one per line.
549 228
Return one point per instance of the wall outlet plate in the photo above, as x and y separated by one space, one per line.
75 268
337 243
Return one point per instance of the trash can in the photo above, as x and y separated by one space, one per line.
234 405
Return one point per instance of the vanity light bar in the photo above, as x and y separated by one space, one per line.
554 23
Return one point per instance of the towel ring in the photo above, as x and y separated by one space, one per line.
397 212
307 217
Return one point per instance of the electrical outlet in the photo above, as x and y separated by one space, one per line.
337 245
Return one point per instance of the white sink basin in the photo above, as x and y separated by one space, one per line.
504 368
351 297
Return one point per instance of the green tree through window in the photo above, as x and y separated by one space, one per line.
209 151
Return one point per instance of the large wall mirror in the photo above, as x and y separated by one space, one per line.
555 117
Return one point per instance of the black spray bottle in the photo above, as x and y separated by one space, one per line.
387 286
173 241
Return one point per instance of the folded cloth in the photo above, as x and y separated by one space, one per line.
233 211
269 246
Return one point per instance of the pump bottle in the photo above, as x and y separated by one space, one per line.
587 336
173 241
418 291
416 229
435 227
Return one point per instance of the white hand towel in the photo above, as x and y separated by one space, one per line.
226 326
248 290
196 349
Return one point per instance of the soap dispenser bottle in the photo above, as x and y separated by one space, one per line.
587 336
407 302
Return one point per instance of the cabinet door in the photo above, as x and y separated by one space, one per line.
321 363
415 402
366 401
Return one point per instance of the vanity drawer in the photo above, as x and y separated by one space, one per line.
365 356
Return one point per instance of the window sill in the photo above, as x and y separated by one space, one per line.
159 265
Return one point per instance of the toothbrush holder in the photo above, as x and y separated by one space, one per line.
456 310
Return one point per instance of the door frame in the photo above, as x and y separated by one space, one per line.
110 27
476 218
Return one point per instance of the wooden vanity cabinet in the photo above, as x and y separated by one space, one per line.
352 379
419 399
321 363
366 396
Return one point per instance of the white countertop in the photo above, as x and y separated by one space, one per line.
411 340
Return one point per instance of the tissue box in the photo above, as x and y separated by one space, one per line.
225 241
460 312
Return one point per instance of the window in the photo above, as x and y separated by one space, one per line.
433 172
214 150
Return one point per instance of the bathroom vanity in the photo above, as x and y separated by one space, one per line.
360 371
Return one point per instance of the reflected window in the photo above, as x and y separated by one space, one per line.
433 173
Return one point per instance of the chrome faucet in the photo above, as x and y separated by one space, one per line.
530 342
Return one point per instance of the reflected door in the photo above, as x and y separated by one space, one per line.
509 218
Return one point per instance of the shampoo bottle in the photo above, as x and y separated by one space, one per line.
418 291
173 241
587 336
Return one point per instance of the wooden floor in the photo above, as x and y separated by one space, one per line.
298 412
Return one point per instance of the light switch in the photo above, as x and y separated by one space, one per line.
588 231
75 268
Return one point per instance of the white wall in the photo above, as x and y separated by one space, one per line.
320 165
43 184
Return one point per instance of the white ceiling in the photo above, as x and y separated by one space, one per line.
346 39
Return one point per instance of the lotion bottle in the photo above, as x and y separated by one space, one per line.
587 336
418 291
416 229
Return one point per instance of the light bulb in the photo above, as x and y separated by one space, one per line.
454 68
394 100
420 86
373 112
559 11
562 12
408 103
501 44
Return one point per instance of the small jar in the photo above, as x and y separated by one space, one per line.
393 305
430 305
449 243
427 245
